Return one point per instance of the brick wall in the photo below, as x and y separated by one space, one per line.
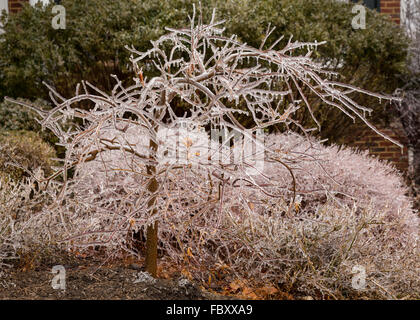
366 139
391 8
16 5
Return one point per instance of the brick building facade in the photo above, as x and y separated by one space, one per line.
391 8
15 5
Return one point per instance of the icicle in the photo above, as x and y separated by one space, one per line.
236 99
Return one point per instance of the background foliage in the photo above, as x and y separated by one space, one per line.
22 152
92 45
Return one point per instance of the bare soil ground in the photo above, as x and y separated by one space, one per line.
106 283
87 279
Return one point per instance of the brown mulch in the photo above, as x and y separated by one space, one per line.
86 279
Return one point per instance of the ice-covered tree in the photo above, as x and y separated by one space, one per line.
118 177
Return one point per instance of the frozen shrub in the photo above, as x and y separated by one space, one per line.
351 212
316 253
21 205
348 176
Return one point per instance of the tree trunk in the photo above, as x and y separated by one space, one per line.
416 172
152 229
151 249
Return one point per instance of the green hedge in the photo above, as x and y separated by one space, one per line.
92 45
22 151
